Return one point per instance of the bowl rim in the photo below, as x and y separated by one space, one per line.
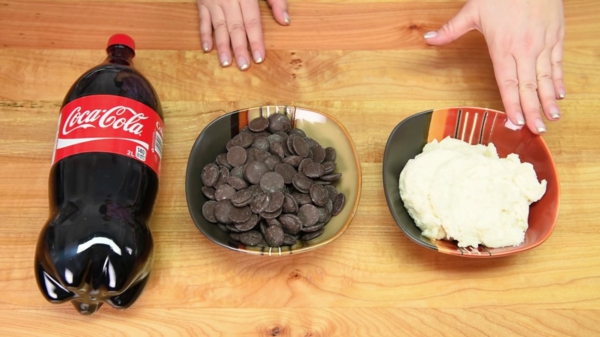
431 245
270 250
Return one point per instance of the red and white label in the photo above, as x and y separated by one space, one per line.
113 124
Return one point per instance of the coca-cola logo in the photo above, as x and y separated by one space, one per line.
118 117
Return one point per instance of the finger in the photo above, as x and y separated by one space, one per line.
557 70
279 8
546 92
505 70
526 73
221 35
205 28
459 25
237 34
251 15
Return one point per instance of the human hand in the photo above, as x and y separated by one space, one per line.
236 23
525 42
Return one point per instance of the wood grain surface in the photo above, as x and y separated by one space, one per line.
362 61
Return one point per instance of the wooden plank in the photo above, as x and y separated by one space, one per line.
174 26
313 322
288 76
321 26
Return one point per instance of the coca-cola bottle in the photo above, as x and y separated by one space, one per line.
96 245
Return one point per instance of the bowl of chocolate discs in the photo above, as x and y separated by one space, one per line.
273 180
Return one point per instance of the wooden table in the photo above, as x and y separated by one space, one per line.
362 61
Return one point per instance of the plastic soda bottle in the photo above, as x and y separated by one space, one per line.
96 245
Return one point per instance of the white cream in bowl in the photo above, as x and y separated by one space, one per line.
457 191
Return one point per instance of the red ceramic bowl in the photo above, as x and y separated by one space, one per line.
475 126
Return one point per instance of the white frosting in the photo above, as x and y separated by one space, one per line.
457 191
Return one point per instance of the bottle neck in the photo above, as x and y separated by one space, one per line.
120 54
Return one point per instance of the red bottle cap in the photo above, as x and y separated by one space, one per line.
123 39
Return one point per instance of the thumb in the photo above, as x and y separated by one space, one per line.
452 30
279 9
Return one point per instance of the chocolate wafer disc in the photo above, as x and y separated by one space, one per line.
331 177
289 239
313 170
236 156
237 183
279 123
301 182
300 146
258 124
260 203
276 202
293 160
208 211
313 228
209 192
254 171
223 175
319 195
290 143
243 139
248 224
291 223
308 214
237 171
210 174
274 236
338 204
223 192
261 143
312 235
242 198
286 171
240 214
272 161
333 192
318 154
297 132
328 167
302 198
277 149
290 205
330 154
222 160
222 210
311 143
271 215
251 238
272 182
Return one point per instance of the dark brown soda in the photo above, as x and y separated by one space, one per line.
96 246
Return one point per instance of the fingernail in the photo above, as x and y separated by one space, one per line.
430 35
224 60
286 17
242 63
205 47
510 125
539 125
561 95
554 112
257 57
520 119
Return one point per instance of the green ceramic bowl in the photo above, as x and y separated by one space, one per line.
319 126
